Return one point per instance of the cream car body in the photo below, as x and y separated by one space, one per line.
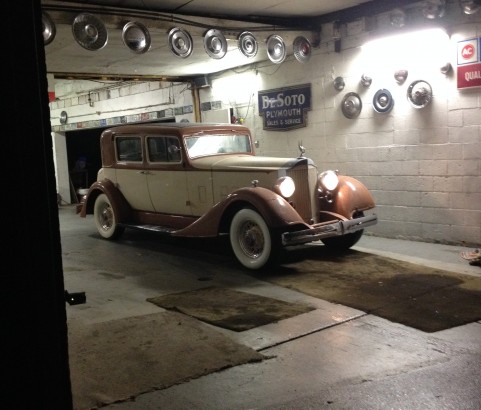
204 180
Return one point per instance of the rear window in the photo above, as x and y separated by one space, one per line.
129 149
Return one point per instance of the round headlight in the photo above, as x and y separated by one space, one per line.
329 180
285 187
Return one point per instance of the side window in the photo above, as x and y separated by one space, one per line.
129 149
157 149
163 149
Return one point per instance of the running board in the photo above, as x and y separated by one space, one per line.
151 228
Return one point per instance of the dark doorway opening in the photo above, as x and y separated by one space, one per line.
83 145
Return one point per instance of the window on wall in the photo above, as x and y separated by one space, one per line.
129 149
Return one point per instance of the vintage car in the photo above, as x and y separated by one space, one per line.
204 180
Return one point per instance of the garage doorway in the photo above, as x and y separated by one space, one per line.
83 146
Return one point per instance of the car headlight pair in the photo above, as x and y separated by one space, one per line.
285 187
329 180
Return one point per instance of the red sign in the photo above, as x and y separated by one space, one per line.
468 51
469 63
469 75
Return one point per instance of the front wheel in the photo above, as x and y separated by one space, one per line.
251 239
105 218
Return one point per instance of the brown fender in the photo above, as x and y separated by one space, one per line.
275 210
121 208
351 197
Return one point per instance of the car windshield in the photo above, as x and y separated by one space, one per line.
213 144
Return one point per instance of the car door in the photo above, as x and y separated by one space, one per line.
131 176
166 178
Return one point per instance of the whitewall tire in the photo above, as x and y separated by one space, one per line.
250 239
105 218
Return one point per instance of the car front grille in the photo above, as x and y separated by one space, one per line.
304 177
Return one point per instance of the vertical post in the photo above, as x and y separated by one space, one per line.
35 372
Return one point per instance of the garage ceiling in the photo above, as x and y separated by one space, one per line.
109 57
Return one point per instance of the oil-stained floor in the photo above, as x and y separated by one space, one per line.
332 357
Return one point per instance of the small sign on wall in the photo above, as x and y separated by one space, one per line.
469 63
285 108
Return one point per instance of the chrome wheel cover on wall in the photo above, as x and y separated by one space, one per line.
382 101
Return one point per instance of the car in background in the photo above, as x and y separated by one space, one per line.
204 180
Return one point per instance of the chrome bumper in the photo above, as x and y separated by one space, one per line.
320 231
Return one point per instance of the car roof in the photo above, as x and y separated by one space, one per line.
181 127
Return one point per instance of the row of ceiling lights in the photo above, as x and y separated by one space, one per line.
91 33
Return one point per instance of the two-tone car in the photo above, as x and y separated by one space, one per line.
204 181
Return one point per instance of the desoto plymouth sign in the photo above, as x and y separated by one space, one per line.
285 108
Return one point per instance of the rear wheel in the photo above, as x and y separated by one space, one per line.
342 243
251 239
105 218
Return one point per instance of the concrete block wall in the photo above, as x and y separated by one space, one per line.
108 101
423 166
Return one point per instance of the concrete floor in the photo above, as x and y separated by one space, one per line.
334 357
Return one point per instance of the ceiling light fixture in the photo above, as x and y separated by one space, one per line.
406 48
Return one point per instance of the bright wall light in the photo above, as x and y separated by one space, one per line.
409 47
236 88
